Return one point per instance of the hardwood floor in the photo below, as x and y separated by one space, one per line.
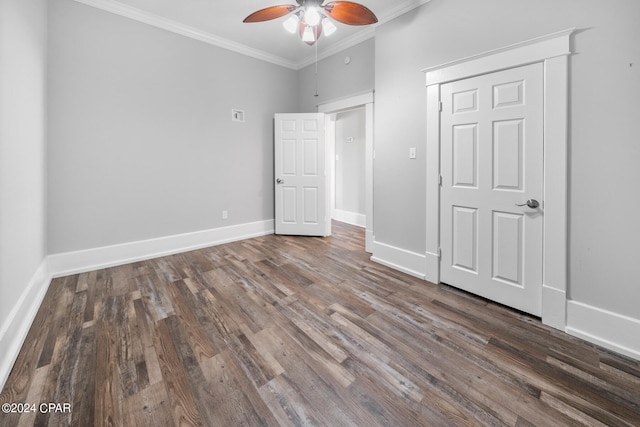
282 330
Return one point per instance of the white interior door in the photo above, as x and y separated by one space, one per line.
301 181
491 162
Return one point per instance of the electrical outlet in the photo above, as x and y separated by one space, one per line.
225 215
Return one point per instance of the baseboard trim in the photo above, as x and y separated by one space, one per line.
350 218
605 328
67 263
16 327
399 259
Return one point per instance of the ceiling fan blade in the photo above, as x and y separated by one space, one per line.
350 13
270 13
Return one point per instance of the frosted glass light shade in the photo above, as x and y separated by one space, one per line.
291 24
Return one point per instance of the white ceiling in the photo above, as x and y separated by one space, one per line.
220 23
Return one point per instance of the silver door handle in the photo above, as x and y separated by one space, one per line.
531 203
279 181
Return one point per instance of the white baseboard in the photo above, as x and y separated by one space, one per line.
350 217
108 256
403 260
610 330
16 327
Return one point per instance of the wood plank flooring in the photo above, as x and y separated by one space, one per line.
299 331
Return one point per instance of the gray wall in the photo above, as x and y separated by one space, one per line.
23 28
141 139
141 144
349 163
604 109
336 79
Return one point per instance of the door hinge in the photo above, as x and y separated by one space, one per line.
439 253
440 106
440 180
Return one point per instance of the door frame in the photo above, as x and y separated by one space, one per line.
553 51
330 128
362 100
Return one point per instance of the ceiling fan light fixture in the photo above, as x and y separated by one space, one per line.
291 24
309 17
328 27
307 35
312 16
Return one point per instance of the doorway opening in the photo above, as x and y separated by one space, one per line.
552 51
346 141
348 109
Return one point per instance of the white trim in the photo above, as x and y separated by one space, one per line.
408 262
187 31
552 50
368 173
64 264
365 99
346 103
554 307
522 53
16 327
610 330
352 218
432 211
432 267
400 9
556 229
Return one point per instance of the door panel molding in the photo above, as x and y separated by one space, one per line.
552 51
491 161
301 181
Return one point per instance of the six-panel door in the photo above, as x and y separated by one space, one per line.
492 161
300 176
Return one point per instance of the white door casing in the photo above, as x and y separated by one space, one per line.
301 205
365 100
491 162
552 51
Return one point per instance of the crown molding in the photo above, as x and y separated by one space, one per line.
149 18
185 30
401 9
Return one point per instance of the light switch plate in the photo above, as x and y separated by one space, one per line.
412 153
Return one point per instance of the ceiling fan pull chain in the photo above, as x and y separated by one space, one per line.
316 94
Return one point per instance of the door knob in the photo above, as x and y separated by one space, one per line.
531 203
280 181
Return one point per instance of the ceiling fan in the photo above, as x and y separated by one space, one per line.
309 17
